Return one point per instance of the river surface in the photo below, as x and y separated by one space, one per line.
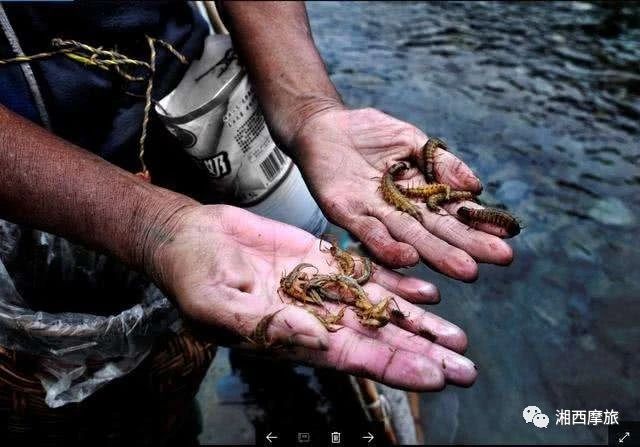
542 100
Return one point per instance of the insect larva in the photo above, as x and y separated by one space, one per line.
288 281
433 202
366 270
492 216
344 258
343 283
290 285
428 157
426 333
392 194
329 320
425 191
259 335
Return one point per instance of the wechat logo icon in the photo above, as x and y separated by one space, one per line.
533 414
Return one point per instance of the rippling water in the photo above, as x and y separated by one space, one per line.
543 101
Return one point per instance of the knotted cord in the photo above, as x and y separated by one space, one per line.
115 62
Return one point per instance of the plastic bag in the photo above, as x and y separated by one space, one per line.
78 352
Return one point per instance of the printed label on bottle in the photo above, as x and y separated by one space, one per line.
215 114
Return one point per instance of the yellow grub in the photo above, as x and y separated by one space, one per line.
429 157
392 194
425 191
491 216
433 202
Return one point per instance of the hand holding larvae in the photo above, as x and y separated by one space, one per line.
434 194
344 156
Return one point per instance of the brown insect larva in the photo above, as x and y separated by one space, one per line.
425 191
343 257
366 269
492 216
428 157
291 286
329 320
345 283
433 202
392 194
325 293
259 335
374 315
426 333
287 282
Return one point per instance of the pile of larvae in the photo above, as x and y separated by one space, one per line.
306 286
434 194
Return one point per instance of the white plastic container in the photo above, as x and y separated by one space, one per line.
215 114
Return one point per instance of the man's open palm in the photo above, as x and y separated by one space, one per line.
343 155
223 265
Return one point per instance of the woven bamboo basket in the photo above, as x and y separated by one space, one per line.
153 405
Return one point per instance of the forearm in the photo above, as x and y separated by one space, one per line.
50 184
274 41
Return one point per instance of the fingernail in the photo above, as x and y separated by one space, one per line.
480 185
428 291
409 258
459 362
449 330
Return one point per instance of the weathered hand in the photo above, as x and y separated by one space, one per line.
223 266
343 154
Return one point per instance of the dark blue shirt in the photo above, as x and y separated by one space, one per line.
88 106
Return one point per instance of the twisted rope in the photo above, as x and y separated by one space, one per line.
147 107
116 62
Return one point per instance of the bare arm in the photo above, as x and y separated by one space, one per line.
218 262
48 183
341 152
283 62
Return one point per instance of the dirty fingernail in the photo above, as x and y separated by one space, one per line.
409 258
